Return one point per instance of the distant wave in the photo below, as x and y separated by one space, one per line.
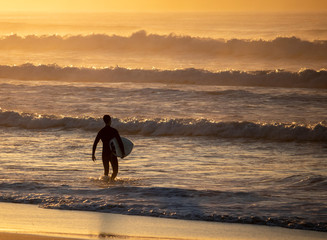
142 42
306 78
174 127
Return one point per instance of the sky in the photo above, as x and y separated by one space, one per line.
164 5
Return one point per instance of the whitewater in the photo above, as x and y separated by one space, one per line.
229 123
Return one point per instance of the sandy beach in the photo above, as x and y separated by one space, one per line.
22 221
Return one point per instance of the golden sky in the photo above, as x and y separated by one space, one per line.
163 5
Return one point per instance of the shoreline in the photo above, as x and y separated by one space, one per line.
24 221
24 236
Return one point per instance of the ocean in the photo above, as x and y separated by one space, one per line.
227 113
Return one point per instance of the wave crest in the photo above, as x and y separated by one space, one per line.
306 78
174 127
142 42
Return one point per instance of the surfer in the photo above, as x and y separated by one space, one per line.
106 134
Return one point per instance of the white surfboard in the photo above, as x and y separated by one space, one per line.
114 146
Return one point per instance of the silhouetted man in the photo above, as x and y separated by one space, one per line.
106 134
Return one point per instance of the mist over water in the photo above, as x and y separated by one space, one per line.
227 113
172 45
211 41
267 26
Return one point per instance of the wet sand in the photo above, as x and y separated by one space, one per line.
23 221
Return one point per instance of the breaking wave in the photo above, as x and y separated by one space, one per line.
174 127
142 42
306 78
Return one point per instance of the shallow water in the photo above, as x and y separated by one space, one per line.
223 168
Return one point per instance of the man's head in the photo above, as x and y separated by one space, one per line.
107 119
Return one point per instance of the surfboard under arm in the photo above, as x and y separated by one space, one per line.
115 148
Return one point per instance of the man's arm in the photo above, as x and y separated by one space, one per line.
97 139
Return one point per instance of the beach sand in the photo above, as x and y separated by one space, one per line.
24 221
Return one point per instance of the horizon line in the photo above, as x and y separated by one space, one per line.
169 11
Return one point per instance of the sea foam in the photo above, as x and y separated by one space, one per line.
174 127
159 202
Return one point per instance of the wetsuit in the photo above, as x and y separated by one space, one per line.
106 134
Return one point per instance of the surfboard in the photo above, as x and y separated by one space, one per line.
114 146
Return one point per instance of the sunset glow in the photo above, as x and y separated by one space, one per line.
164 5
218 108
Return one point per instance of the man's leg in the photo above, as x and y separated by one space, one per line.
105 161
114 165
